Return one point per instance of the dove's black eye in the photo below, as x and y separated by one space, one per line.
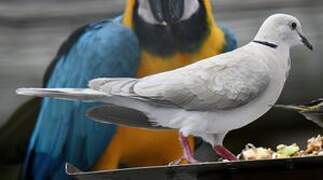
293 26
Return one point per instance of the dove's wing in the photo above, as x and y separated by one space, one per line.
224 82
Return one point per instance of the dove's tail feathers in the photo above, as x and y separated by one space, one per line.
290 107
121 116
64 93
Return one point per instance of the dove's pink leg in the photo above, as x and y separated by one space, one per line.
224 153
187 152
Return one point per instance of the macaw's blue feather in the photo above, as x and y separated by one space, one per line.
63 133
230 39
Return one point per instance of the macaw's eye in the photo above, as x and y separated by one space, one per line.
293 26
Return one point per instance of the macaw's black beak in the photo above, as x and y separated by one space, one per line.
306 42
167 11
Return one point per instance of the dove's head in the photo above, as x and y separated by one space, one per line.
283 29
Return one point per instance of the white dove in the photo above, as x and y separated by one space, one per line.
205 99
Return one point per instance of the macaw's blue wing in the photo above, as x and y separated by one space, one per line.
230 39
63 132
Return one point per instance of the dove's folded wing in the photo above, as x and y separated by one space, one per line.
204 86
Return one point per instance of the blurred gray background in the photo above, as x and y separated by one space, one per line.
32 31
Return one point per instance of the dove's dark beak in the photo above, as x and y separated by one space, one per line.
305 41
167 11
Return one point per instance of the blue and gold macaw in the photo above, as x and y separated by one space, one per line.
150 37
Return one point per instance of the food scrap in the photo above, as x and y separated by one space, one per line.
314 148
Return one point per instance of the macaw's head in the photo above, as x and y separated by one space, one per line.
165 27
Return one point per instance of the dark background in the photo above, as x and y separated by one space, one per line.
32 30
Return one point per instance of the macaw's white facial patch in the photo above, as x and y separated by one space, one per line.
146 11
190 8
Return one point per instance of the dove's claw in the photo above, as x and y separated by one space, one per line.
176 162
224 153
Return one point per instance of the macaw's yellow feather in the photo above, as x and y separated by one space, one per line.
151 64
128 13
138 147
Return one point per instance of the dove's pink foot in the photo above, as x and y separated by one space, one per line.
187 152
224 153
